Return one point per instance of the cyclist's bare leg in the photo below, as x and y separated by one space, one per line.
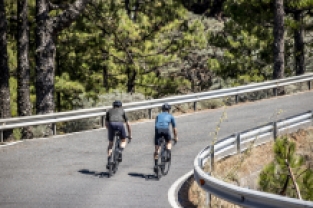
169 145
109 152
110 149
156 154
123 143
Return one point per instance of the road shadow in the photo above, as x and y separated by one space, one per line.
94 173
144 176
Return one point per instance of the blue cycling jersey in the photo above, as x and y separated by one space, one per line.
163 120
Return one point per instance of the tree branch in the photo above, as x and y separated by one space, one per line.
293 180
67 17
53 6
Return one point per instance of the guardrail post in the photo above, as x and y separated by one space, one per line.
150 113
212 157
237 98
238 143
54 128
275 91
102 121
275 130
1 136
309 84
194 106
208 198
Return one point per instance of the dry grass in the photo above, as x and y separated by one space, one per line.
243 170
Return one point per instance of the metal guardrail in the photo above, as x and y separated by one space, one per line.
54 118
237 143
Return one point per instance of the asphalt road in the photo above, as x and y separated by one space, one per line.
65 171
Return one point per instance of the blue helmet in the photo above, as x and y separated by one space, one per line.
166 107
117 103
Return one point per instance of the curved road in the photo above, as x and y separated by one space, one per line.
64 171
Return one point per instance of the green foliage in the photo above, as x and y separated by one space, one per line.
247 38
275 175
245 43
39 131
110 48
106 38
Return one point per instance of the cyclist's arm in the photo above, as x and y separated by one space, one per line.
173 122
129 129
106 123
127 125
175 134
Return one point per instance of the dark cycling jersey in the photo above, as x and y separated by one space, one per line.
116 115
163 120
116 118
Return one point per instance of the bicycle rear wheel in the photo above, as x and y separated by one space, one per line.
165 161
115 159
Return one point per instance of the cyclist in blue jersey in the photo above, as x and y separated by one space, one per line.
162 128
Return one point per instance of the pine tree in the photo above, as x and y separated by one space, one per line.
125 53
279 43
277 178
242 48
23 68
299 10
5 107
47 28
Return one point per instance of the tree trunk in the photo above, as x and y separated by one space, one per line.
45 55
46 30
299 46
5 109
105 73
279 45
23 70
58 73
131 78
217 9
132 11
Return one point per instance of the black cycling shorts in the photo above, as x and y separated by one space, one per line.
116 126
159 133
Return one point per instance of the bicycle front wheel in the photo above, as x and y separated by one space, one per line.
165 161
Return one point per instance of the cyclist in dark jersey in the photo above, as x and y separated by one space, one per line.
114 120
162 123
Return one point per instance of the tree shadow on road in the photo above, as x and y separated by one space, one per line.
94 173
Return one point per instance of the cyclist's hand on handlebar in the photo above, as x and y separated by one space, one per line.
175 140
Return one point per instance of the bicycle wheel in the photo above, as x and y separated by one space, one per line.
111 167
116 155
116 162
165 161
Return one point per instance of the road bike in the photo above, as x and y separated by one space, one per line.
116 156
165 156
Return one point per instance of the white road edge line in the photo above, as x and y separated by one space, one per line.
172 191
9 144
